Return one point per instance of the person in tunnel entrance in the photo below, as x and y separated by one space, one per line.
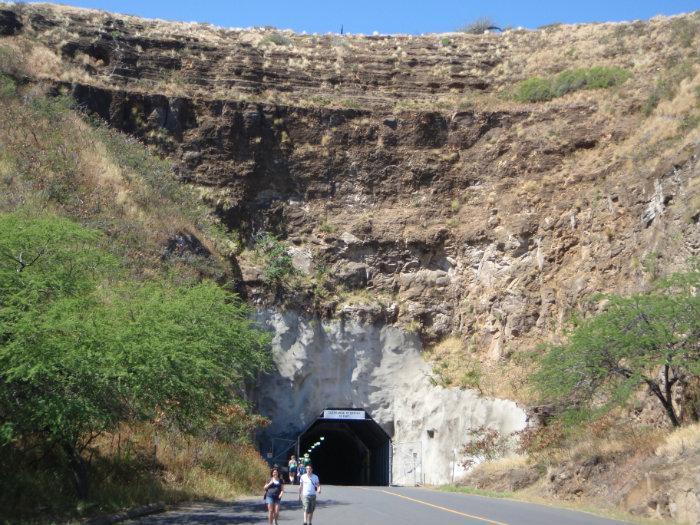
309 488
292 469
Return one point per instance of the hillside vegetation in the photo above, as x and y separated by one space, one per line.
123 363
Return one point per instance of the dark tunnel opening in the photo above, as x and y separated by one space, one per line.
347 451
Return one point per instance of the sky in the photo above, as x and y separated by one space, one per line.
389 16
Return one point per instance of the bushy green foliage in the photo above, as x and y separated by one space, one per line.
650 340
539 89
83 348
534 89
592 78
278 267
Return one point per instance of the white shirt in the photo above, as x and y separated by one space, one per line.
309 484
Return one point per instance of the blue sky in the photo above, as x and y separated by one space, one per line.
389 16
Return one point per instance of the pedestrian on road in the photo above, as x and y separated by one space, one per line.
292 469
273 495
301 468
310 487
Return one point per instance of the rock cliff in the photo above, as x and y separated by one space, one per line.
399 165
414 192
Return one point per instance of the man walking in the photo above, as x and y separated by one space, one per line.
309 487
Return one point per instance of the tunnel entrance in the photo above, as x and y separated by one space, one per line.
347 447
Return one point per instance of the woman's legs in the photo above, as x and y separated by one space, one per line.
277 512
270 513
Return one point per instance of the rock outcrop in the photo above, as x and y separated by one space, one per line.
476 215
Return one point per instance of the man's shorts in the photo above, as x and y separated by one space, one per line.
309 503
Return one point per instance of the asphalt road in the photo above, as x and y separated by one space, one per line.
380 506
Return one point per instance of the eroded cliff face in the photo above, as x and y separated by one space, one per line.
462 212
419 201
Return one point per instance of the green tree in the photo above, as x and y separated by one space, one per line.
83 349
650 339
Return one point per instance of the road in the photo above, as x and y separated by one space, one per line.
380 506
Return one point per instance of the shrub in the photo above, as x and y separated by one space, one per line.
485 444
11 62
277 262
593 78
688 122
478 26
444 42
276 39
328 227
349 103
534 90
541 89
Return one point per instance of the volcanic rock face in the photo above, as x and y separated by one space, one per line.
411 189
476 216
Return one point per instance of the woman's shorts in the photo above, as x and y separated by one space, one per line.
309 503
271 500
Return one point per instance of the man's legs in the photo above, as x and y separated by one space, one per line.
309 507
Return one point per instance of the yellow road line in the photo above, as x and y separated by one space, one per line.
441 508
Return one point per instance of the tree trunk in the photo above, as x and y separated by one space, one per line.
668 386
666 401
79 470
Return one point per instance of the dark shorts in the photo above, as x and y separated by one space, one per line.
271 500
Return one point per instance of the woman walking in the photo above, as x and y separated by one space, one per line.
273 494
292 469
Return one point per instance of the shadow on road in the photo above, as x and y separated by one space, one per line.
233 513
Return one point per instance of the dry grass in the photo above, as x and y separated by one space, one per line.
187 467
52 158
461 364
638 46
680 441
136 465
617 441
500 465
